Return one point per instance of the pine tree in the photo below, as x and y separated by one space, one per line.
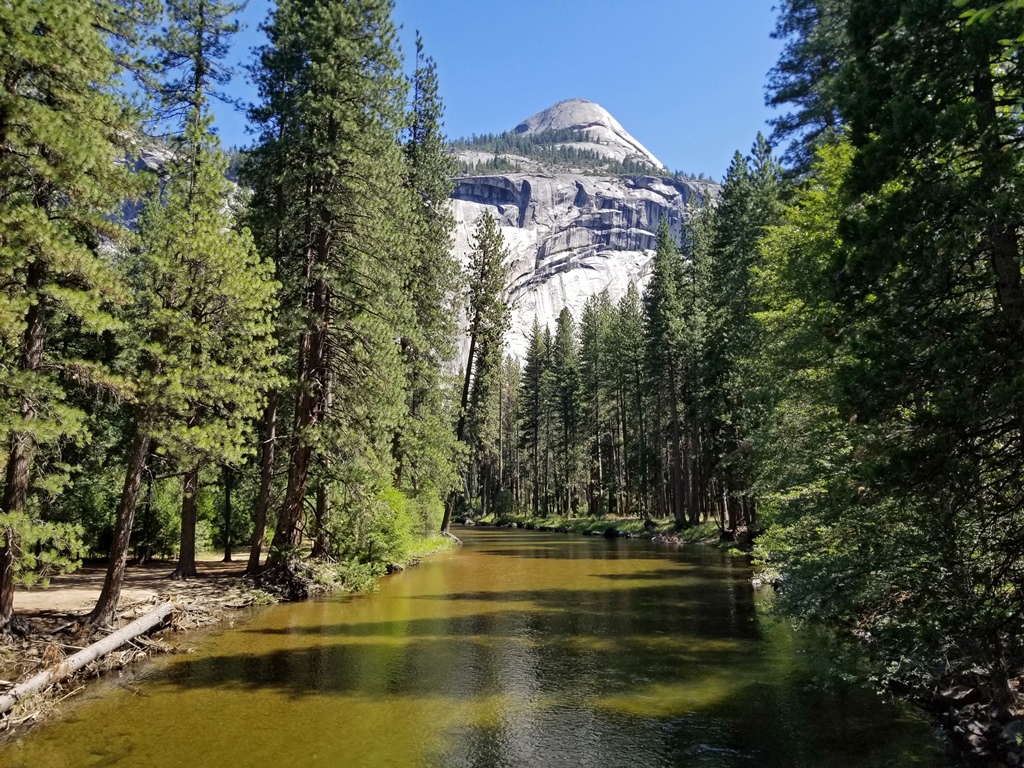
567 411
201 327
487 312
894 309
424 439
932 299
663 312
329 120
547 398
482 418
62 127
595 370
750 202
531 399
509 457
190 55
806 76
626 350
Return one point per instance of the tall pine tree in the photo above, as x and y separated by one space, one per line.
62 129
331 111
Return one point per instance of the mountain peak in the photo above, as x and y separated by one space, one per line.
604 133
569 114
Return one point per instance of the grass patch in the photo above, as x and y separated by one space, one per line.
429 545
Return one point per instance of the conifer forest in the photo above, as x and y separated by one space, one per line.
287 363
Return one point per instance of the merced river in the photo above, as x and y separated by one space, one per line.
519 649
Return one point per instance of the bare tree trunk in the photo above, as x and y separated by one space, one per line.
187 551
106 606
144 549
323 512
501 429
75 662
267 456
676 456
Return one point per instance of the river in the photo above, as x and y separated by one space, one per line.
520 649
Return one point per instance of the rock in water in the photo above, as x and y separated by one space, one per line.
572 235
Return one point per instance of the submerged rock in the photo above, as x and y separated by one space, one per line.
667 538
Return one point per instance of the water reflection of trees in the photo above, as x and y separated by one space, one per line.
666 665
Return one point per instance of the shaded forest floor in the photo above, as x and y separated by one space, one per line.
49 623
76 593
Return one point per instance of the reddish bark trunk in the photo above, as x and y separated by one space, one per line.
106 606
287 536
267 457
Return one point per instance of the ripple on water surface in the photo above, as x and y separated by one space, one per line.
521 649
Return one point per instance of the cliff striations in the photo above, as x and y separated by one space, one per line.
570 234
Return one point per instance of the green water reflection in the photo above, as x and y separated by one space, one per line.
522 649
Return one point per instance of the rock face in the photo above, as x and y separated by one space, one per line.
573 236
605 135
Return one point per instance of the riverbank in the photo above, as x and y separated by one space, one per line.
49 617
660 531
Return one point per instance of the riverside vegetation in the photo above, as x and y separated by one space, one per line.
828 365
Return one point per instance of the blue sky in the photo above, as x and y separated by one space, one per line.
685 77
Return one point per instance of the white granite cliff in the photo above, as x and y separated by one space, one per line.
569 235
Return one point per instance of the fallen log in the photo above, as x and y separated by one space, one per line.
97 650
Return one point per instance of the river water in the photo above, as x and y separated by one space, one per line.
520 649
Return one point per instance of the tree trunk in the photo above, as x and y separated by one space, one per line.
460 430
144 549
72 664
997 167
7 579
323 511
676 456
501 427
312 357
187 553
267 456
449 510
19 460
106 606
998 170
229 478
